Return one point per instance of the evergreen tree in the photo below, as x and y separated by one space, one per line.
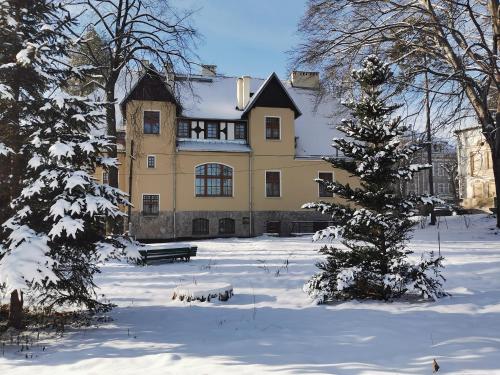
373 221
93 52
54 240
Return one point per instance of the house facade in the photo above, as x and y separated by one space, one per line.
475 169
223 156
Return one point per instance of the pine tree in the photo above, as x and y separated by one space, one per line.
54 240
373 221
91 51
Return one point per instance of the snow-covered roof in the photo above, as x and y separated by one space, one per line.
212 145
215 98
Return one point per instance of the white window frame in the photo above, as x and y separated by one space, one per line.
159 121
265 129
208 196
142 203
103 173
333 180
147 161
265 182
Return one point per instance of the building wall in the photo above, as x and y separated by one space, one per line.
444 185
476 179
174 178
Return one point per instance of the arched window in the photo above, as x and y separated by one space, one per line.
226 226
214 180
200 226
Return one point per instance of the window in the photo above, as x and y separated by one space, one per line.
491 190
273 227
183 129
150 204
200 226
212 130
441 188
240 130
151 161
226 226
477 190
273 184
326 176
272 128
151 122
214 180
105 178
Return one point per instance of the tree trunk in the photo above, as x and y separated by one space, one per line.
112 225
16 310
495 153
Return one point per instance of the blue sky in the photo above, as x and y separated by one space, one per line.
246 37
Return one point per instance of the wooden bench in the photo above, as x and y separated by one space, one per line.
168 254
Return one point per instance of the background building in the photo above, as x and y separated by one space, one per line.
475 169
444 171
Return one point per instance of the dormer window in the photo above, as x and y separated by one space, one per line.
240 130
212 130
273 127
151 122
183 129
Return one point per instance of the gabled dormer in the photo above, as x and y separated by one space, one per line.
271 94
271 114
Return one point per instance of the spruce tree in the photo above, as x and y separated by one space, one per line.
372 220
54 240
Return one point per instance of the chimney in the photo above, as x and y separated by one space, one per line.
246 90
168 70
243 91
305 80
209 70
239 93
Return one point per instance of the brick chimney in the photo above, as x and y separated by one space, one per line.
305 80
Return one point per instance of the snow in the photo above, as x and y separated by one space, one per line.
270 325
4 150
26 261
202 291
224 146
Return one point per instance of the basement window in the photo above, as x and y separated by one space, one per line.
226 226
200 226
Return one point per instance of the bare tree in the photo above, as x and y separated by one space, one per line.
131 32
459 38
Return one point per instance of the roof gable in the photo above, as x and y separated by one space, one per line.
272 94
150 86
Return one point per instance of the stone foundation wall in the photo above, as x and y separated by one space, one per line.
161 227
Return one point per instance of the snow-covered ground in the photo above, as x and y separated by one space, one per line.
270 325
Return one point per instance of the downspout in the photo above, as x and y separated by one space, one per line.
174 191
250 192
129 210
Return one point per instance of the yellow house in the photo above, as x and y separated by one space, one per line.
211 155
475 169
